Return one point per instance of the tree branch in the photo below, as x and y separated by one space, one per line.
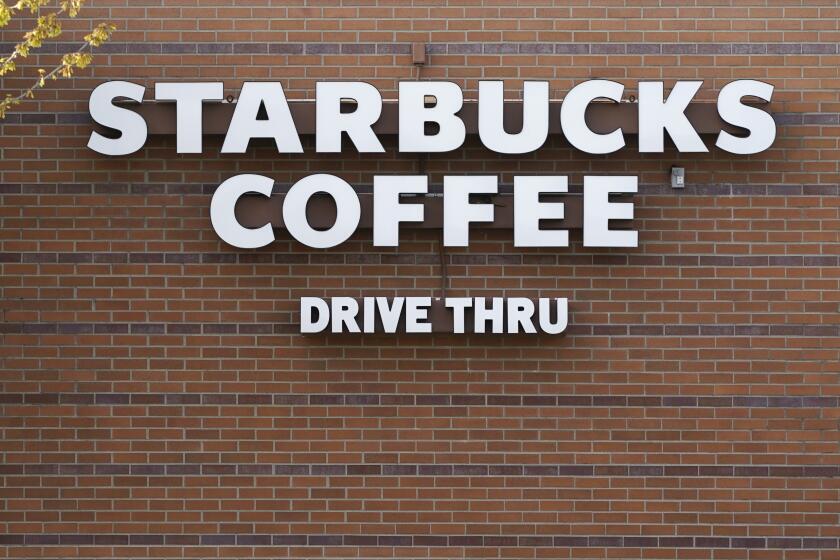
41 81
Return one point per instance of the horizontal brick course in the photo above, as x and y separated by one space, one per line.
436 541
396 470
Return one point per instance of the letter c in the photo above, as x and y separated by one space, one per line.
223 217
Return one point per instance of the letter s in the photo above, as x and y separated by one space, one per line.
761 126
130 124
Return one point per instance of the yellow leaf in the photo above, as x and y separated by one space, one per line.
5 14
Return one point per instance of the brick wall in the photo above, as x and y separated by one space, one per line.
156 401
